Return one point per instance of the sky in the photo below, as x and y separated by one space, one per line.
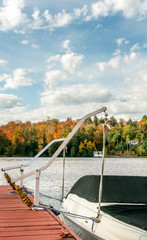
62 59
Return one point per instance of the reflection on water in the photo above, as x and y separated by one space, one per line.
51 178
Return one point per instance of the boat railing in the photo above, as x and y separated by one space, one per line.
22 166
37 172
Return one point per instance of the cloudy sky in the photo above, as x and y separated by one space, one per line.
66 58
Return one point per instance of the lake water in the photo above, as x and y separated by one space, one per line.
51 178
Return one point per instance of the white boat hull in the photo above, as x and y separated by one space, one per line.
109 228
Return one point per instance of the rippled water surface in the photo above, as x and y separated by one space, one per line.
51 178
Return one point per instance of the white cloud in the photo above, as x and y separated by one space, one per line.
17 79
139 86
90 77
68 63
61 19
20 31
54 111
131 101
129 8
113 63
121 41
78 12
126 42
129 58
35 46
54 76
48 16
37 21
102 65
88 18
135 47
70 96
117 52
100 8
9 101
3 62
55 58
66 45
117 61
71 61
99 26
24 42
11 15
145 45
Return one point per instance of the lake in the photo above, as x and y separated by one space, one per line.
51 178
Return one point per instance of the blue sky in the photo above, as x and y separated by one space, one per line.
66 58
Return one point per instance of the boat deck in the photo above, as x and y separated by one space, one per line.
18 222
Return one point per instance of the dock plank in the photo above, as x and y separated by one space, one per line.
17 221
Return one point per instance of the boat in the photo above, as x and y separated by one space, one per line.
123 210
98 154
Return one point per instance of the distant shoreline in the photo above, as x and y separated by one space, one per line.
108 156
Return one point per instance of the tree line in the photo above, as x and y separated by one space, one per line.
27 139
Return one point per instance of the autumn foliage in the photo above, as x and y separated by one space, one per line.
27 139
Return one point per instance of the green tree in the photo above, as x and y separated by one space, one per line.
87 148
30 142
128 133
73 152
122 146
108 140
95 121
4 143
52 149
144 118
101 120
143 130
10 151
130 123
113 121
55 120
116 138
121 122
88 121
141 150
139 135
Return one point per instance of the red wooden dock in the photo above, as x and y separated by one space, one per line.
18 222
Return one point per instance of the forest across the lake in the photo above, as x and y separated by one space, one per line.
124 138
